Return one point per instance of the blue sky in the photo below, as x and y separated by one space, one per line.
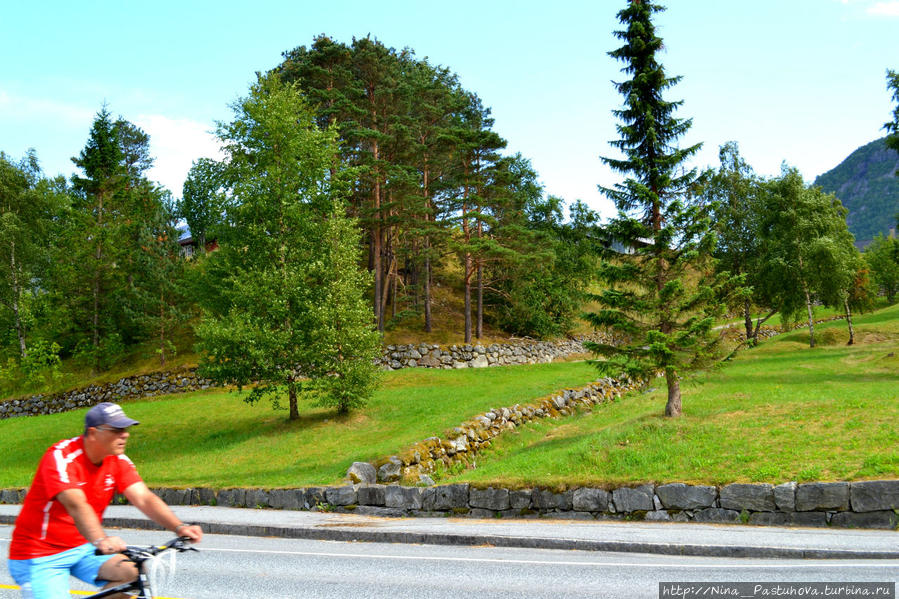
801 81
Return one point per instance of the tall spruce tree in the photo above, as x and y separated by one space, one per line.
659 298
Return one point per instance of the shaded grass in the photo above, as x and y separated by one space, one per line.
776 413
214 439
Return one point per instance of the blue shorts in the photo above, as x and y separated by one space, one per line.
48 577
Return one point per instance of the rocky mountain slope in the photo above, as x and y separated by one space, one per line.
867 185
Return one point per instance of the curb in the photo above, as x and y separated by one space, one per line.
673 549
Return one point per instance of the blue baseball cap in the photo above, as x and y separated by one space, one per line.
109 414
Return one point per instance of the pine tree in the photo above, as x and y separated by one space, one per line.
659 298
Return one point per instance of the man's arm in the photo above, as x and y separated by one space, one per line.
141 497
86 521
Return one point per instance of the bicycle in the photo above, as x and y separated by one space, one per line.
140 556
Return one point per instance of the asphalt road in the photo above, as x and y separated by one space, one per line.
251 567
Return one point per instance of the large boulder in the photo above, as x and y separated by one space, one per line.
754 498
447 497
391 470
633 499
874 495
822 496
590 500
785 497
489 499
678 496
362 472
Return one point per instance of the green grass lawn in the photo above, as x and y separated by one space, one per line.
778 412
215 439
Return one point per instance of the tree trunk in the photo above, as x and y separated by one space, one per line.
427 275
673 407
849 321
376 241
758 325
467 297
426 173
811 316
20 331
747 318
479 331
162 329
292 399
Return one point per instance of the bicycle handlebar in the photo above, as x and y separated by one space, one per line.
140 554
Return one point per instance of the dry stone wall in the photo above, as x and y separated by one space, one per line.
423 355
863 504
394 357
132 387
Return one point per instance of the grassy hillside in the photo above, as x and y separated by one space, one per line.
214 439
776 413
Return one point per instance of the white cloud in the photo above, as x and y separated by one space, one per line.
176 143
884 9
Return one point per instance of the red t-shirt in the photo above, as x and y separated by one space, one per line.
44 527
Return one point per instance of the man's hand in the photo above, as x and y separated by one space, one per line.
193 532
108 545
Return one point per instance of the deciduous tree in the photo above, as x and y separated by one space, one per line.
278 317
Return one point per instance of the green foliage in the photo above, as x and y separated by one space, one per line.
865 184
288 289
28 205
892 127
808 251
41 363
203 200
662 298
883 257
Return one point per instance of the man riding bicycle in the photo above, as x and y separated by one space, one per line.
59 530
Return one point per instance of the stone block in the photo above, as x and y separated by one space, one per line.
391 470
716 515
785 497
751 497
362 472
679 496
447 497
231 498
808 518
481 513
770 519
206 496
521 499
489 499
10 496
822 496
371 495
314 497
658 516
257 498
633 499
874 495
287 499
586 499
543 499
886 519
341 495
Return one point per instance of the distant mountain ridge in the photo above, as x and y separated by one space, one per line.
867 185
